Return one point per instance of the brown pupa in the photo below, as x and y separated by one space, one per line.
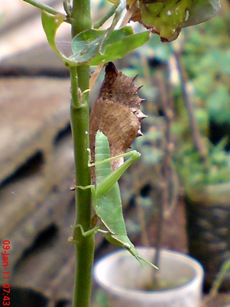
116 113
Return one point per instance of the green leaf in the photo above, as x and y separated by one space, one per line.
168 17
165 18
50 25
93 47
202 10
87 46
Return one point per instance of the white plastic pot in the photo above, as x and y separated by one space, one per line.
122 278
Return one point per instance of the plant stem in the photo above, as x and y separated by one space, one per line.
42 7
100 23
196 136
220 278
84 246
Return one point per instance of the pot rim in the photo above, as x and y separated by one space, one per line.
114 289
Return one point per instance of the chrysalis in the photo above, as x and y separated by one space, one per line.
116 113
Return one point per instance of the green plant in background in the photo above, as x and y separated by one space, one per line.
94 46
204 163
224 270
211 91
196 173
203 168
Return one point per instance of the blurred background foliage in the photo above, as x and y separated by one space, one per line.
206 58
184 81
195 67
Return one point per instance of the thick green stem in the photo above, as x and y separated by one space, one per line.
81 18
84 246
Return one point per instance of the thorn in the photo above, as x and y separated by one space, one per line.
134 78
139 133
72 187
141 115
139 87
